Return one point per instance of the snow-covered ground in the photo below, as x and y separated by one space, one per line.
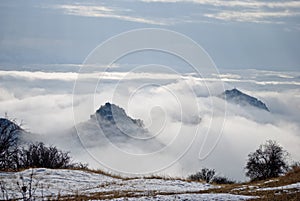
48 182
51 183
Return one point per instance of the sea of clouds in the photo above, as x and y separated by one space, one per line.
182 111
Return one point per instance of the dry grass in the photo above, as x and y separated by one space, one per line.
283 195
116 176
292 176
105 173
166 178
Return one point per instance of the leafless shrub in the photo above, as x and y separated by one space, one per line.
205 174
39 155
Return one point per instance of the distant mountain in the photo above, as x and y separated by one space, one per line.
240 98
110 122
114 122
114 115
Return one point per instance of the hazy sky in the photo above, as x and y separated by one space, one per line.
236 34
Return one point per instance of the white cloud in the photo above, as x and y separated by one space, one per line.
92 74
69 76
246 4
245 11
252 16
6 95
106 12
72 76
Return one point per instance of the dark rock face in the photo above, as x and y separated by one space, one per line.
106 111
113 113
243 99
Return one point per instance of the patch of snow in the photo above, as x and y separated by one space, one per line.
244 187
157 185
290 186
194 197
270 181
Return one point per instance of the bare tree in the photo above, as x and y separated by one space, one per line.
269 160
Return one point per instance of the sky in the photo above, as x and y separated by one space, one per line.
236 34
49 80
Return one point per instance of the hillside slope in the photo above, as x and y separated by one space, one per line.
284 188
84 185
66 184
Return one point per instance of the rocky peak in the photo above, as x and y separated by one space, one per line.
113 113
238 97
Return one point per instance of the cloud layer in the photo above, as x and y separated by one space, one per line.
178 109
